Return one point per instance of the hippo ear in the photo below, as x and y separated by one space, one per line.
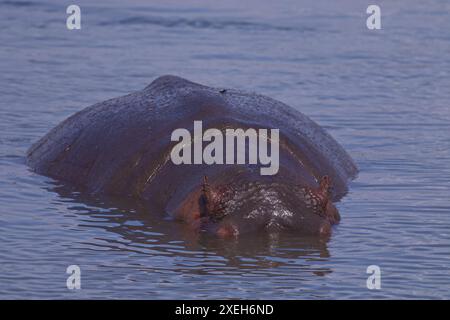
325 181
205 180
210 202
325 184
206 199
206 189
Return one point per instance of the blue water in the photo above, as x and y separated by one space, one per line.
383 94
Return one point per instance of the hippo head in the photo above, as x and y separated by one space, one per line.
244 204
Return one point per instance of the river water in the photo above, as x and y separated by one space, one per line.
383 94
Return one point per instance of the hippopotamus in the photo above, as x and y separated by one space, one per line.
122 147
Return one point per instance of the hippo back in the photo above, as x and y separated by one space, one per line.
121 145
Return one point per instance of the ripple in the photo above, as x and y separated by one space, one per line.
384 97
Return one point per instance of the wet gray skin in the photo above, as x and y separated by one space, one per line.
121 147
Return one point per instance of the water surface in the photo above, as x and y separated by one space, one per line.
384 95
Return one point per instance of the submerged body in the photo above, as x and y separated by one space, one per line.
122 147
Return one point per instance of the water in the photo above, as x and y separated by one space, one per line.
384 95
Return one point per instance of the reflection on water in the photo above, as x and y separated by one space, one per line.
139 231
382 94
